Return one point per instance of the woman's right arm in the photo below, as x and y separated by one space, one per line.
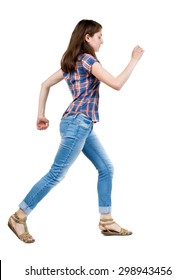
42 121
117 82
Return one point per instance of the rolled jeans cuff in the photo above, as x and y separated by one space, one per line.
24 207
105 210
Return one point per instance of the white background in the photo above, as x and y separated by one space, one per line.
147 129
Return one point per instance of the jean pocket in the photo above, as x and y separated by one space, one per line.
64 126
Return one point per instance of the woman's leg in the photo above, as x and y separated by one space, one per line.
74 131
95 152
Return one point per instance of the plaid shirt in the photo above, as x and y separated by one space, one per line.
84 88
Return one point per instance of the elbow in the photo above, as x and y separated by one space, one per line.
117 87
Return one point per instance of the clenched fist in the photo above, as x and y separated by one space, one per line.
42 123
137 52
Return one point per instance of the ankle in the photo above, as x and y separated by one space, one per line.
106 216
21 214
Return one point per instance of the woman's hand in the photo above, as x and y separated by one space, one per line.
42 123
137 53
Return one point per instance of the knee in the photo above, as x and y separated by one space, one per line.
56 174
111 169
107 170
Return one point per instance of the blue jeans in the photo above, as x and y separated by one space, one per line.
76 135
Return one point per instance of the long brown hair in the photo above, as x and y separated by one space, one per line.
78 44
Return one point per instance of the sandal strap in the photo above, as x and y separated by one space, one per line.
18 220
124 231
106 222
25 236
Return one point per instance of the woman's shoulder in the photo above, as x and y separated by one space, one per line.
86 56
86 61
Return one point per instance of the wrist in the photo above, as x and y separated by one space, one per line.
40 116
134 60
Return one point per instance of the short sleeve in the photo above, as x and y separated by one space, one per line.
66 75
87 61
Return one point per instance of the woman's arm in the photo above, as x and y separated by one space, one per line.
117 82
42 122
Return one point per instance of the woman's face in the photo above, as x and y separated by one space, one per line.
95 41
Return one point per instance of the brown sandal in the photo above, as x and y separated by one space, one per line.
25 236
108 232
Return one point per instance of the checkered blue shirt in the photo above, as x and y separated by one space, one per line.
84 88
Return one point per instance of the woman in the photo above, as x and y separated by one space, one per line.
83 73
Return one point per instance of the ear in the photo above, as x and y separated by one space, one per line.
87 38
